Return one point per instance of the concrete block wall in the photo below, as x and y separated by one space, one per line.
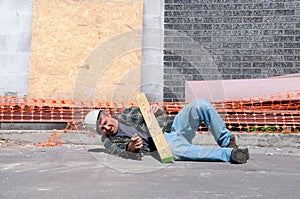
15 37
228 39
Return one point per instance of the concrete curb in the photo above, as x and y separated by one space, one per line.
83 138
41 136
255 139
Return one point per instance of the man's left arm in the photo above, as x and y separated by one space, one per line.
121 146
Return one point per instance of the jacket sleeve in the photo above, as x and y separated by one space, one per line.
118 146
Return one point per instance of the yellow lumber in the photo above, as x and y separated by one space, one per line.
154 129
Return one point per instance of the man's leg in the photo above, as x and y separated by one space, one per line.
188 120
182 149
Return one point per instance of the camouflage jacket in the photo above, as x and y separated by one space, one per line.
132 116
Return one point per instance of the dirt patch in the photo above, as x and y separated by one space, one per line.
11 143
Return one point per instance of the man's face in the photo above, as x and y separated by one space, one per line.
108 125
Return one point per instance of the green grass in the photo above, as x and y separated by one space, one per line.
272 129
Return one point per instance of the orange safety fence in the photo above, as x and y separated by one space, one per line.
277 113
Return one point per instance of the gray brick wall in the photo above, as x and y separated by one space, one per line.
228 39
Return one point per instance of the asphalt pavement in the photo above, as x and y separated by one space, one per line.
85 171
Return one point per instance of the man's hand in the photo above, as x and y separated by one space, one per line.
157 110
135 143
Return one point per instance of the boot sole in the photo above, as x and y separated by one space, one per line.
240 157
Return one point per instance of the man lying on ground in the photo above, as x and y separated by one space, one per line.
126 134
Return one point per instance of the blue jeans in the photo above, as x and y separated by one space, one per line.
185 126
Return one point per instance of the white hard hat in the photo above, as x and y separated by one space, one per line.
90 120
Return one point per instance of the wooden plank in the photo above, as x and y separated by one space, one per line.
154 129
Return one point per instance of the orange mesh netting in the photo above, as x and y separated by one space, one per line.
272 113
277 113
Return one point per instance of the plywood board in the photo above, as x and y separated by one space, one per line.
154 129
85 49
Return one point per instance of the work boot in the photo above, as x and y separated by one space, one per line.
232 143
239 156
